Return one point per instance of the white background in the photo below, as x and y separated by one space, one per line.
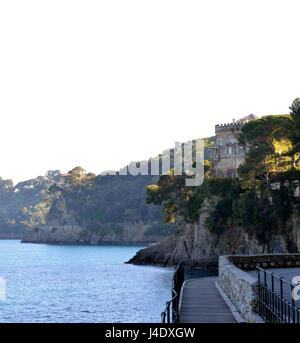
102 83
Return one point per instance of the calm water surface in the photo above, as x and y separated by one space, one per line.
50 283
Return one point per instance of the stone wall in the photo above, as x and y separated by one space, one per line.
241 287
250 262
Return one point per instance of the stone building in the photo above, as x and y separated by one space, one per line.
226 154
61 179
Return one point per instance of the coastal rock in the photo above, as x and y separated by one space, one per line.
195 241
126 233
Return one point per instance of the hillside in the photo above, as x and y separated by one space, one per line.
98 204
84 209
256 212
24 205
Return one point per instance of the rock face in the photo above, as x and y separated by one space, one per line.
63 228
10 235
195 241
74 234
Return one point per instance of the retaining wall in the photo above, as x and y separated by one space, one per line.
241 287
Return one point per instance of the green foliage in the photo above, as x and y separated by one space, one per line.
26 204
103 202
218 218
98 203
158 228
294 134
172 193
194 204
224 214
77 175
208 167
223 186
268 143
249 201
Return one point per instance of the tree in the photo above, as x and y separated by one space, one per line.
262 211
208 168
76 175
266 140
294 134
5 186
171 192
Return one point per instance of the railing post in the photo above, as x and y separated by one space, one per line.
281 300
289 311
168 311
266 297
272 297
293 303
259 296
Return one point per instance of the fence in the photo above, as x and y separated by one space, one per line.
276 303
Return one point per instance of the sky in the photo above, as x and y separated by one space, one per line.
102 83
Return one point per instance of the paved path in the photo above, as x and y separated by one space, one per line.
202 303
287 274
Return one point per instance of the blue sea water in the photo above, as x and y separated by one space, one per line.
68 283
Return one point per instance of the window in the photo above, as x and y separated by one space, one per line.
229 150
230 173
241 150
229 135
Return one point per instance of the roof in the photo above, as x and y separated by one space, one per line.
247 118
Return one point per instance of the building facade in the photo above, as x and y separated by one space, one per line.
227 154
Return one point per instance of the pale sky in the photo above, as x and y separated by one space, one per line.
102 83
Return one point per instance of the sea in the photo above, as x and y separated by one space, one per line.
77 284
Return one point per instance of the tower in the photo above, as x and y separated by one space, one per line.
227 154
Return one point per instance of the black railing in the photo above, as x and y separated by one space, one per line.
186 269
276 303
171 307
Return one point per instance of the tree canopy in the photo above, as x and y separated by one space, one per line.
250 201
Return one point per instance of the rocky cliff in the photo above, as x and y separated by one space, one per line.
127 233
195 241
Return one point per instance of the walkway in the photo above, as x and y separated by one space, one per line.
201 302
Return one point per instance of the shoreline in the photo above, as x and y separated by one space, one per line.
142 244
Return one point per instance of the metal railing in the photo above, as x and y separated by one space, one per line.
171 307
186 269
275 298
